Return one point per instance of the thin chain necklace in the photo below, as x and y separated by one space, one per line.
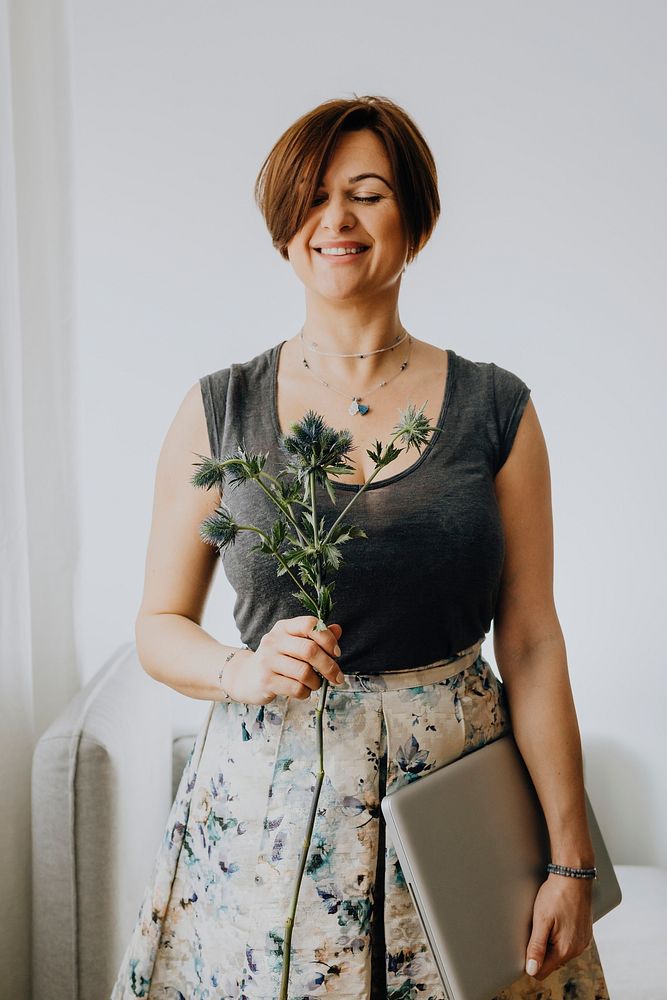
355 406
312 346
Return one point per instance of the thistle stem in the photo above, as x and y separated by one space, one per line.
289 922
358 493
251 527
284 506
320 603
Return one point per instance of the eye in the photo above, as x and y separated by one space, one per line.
370 199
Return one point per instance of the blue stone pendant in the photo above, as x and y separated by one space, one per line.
356 407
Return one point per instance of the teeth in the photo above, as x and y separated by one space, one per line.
339 251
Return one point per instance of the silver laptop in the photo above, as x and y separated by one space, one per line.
473 845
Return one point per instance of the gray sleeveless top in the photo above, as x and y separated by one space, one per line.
424 582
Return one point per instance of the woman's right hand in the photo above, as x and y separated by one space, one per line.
288 661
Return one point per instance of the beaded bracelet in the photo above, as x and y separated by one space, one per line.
573 872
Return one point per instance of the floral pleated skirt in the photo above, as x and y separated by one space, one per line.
212 921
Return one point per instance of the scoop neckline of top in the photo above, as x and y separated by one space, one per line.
376 484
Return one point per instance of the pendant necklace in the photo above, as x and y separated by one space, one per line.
356 406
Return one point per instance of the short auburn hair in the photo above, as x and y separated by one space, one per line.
291 173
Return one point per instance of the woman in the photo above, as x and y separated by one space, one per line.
456 537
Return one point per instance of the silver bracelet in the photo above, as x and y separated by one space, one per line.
573 872
220 672
227 659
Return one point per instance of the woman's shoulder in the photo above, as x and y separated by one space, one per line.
493 381
494 397
489 371
256 364
228 391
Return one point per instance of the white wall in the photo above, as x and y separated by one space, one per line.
548 125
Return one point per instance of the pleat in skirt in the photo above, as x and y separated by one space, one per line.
211 923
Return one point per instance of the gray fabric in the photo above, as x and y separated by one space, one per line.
424 583
101 794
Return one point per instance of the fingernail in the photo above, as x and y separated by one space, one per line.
336 650
531 966
340 677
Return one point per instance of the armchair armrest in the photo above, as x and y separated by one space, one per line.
101 792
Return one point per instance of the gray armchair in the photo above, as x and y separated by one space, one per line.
104 777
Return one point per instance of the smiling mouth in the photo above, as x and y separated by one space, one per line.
356 252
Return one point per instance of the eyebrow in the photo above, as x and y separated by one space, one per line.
361 177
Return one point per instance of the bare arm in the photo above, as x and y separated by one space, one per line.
171 644
530 648
530 652
173 647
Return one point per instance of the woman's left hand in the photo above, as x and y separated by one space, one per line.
562 923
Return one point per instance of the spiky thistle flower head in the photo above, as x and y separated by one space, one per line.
219 528
243 465
233 470
414 428
317 447
211 473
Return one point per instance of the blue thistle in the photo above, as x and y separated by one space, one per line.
219 528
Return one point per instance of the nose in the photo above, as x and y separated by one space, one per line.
337 213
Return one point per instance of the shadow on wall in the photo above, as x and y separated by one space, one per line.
620 793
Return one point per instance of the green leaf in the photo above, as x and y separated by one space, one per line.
295 555
326 603
290 558
376 455
278 533
331 556
289 490
330 490
261 546
390 453
307 601
307 574
344 532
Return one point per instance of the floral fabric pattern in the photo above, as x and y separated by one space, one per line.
211 923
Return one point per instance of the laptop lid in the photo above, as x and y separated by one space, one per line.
473 845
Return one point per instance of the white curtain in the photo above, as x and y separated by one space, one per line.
38 672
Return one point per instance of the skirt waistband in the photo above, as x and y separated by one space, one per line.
431 673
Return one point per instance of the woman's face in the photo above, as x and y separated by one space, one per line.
341 214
